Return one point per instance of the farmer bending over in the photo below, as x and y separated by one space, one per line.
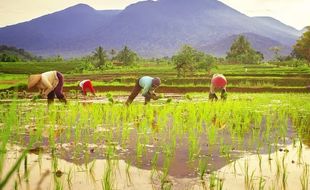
49 84
86 84
218 82
147 85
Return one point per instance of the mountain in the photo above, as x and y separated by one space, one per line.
259 43
274 24
152 28
54 33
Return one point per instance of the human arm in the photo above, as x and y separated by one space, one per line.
48 86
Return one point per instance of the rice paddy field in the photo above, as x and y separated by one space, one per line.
259 138
182 141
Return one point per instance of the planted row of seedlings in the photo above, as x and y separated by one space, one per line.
155 136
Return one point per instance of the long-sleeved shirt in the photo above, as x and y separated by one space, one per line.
86 84
146 84
48 82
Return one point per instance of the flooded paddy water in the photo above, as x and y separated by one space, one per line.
251 141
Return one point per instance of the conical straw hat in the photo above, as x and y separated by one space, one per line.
33 80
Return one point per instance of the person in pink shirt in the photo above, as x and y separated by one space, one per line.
218 83
87 85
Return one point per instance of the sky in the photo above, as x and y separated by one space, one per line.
292 12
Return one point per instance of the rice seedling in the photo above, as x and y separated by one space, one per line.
248 177
194 128
262 183
304 178
69 178
202 168
128 176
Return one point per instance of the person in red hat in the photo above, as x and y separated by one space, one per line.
87 85
147 85
218 82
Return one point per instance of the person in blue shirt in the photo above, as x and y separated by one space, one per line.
147 85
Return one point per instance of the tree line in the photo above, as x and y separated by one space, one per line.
186 60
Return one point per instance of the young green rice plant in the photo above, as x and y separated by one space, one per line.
26 169
128 176
304 178
259 161
154 163
10 122
248 178
262 183
299 152
165 182
278 170
6 178
107 181
69 178
91 171
194 146
284 172
225 150
212 181
58 185
202 168
215 183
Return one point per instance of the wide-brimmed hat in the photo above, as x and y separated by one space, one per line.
33 80
156 81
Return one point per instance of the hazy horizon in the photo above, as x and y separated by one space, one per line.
293 13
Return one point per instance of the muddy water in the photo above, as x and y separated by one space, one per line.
46 172
182 171
90 149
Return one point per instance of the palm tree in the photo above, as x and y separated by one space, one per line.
101 55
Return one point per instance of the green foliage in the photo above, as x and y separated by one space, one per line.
302 47
189 59
100 56
8 58
126 56
13 54
276 50
242 52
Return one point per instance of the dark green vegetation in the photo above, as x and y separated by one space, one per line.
302 47
13 54
242 52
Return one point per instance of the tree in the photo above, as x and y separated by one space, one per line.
242 52
112 53
126 56
189 59
8 58
276 51
100 56
301 49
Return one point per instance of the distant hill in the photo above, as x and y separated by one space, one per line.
260 43
151 28
274 24
15 54
56 33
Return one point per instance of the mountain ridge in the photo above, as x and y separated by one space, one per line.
152 28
